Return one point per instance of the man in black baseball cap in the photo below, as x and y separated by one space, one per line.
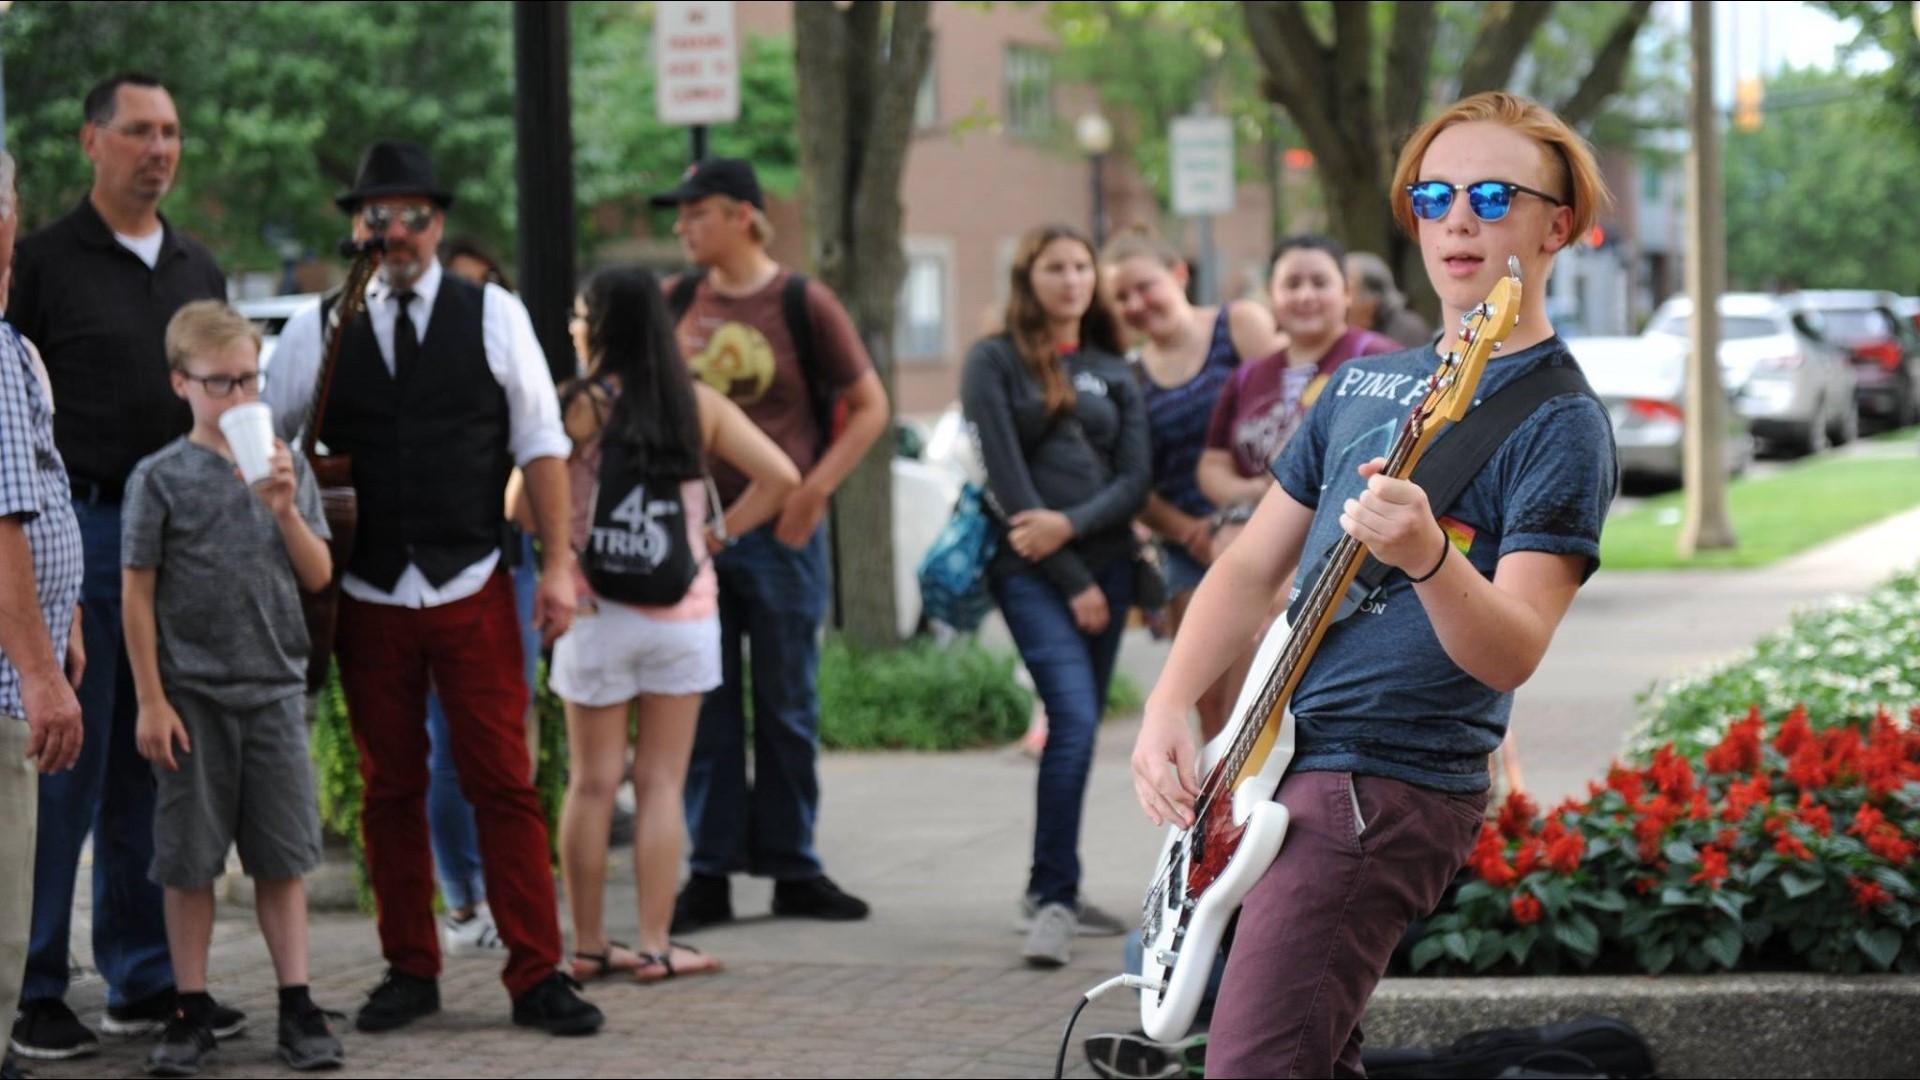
716 176
783 349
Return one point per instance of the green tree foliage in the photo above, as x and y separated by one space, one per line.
1816 197
279 99
1887 26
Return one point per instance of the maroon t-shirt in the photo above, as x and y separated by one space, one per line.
1265 401
739 345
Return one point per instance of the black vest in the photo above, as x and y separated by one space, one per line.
430 456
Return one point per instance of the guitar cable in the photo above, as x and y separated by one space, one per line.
1137 982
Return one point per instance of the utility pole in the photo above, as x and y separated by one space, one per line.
1706 525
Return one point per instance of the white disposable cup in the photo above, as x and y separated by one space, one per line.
249 432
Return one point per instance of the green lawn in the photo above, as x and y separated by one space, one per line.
1774 516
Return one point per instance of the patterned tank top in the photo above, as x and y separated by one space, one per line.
1177 419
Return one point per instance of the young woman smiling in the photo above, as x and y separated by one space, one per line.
1187 354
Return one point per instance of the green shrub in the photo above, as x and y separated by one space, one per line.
1124 696
920 696
1844 662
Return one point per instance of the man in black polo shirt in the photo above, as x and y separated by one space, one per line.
94 291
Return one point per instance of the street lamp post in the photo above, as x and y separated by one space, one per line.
1095 135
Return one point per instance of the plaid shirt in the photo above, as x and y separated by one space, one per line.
33 486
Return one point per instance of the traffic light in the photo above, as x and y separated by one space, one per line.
1748 96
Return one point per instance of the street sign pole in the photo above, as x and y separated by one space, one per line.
1202 150
697 66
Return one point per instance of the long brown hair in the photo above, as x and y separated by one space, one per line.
1026 320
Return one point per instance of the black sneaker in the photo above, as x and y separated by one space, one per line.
307 1043
184 1046
1133 1056
151 1013
705 900
399 1000
46 1030
557 1006
11 1070
816 898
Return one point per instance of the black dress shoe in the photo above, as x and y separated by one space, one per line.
705 900
556 1005
399 1000
817 898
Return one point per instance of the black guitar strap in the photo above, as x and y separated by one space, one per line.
1454 460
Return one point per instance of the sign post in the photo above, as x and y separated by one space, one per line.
696 66
1202 152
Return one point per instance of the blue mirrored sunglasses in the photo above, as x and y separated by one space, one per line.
1488 199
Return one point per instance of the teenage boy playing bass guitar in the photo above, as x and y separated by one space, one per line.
1405 699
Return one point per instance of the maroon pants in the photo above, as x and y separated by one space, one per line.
1316 933
471 652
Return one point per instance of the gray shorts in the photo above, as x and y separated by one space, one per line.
248 783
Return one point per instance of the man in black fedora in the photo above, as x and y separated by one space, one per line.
441 389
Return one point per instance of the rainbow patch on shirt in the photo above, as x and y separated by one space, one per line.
1460 533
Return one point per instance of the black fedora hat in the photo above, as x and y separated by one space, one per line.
394 167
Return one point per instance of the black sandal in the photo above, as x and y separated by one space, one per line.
603 962
664 961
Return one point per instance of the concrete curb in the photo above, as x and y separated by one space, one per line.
1697 1025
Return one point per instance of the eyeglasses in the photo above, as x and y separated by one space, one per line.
142 132
378 217
223 386
1488 199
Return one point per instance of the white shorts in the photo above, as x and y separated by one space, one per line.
615 654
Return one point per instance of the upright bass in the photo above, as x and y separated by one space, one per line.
333 473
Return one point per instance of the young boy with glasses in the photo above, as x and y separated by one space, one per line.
1402 703
213 570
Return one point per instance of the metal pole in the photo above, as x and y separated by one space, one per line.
699 133
543 137
1098 162
1706 525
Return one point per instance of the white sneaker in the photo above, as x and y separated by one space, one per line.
474 936
1050 941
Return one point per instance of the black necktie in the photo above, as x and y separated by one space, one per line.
406 342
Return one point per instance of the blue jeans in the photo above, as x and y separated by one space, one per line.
109 793
1071 670
775 598
456 841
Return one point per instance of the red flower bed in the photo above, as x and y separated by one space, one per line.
1779 848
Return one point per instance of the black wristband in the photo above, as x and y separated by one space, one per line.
1446 545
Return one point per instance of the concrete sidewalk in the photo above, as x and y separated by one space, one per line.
933 984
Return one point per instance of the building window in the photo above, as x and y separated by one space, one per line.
924 312
1029 80
926 103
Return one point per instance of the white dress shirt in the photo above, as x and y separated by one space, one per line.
513 355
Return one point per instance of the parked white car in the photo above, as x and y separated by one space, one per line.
1643 383
270 313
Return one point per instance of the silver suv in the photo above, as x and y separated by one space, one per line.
1795 388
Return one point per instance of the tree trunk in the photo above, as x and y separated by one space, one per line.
859 66
1355 123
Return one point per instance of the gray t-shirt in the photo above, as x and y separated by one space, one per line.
1381 696
226 604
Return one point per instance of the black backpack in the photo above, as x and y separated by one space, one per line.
637 549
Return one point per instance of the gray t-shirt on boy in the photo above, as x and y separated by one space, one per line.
226 603
1381 696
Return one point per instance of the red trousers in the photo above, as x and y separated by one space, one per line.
470 651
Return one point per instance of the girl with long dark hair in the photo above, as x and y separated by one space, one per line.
1062 432
620 659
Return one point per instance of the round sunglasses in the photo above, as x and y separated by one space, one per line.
1488 199
379 216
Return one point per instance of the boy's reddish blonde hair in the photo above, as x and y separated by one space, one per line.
1579 182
